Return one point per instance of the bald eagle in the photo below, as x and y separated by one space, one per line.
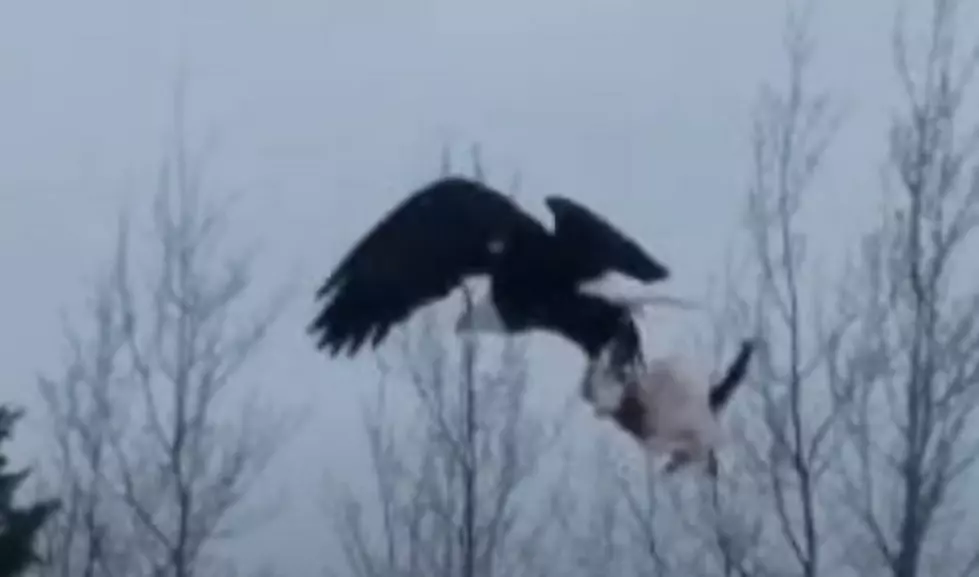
456 228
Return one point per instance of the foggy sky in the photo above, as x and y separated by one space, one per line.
329 111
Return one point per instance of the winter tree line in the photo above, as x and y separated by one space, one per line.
852 450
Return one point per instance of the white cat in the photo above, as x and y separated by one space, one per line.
670 411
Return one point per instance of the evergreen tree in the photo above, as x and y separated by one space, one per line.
19 525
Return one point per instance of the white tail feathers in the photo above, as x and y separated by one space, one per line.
638 304
628 291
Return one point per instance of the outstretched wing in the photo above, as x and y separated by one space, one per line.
419 252
599 247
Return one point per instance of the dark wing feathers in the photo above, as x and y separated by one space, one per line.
599 246
419 252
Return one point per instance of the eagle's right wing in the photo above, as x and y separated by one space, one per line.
419 252
600 247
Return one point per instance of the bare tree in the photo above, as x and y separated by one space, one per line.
598 540
726 522
915 366
611 522
769 490
729 517
647 518
455 463
793 128
158 441
765 515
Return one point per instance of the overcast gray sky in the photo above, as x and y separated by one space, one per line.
331 110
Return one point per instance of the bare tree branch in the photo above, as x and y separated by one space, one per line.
917 361
766 515
786 441
451 461
155 453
